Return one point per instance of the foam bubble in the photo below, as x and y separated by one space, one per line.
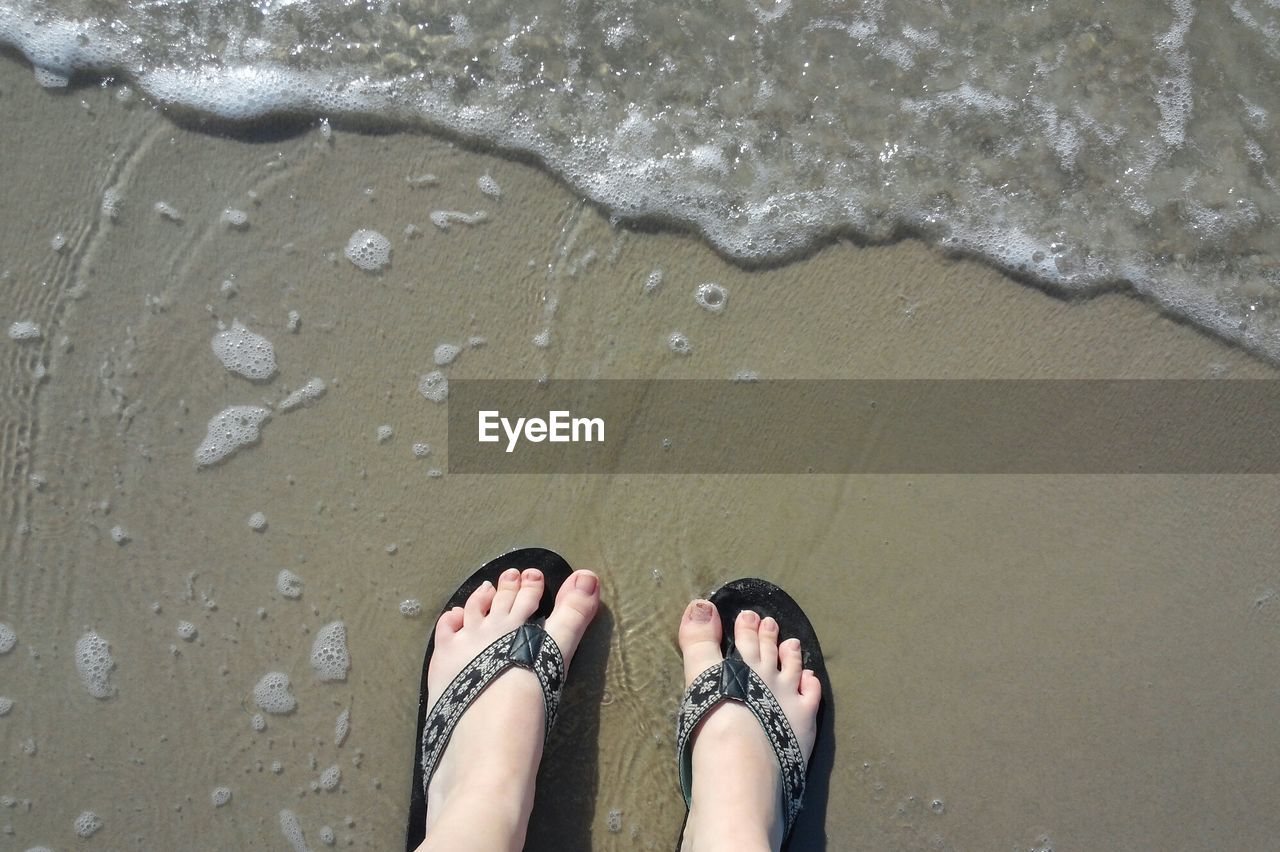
446 353
442 219
120 535
245 353
6 704
294 322
369 250
236 220
186 630
111 198
94 663
289 584
229 430
24 330
305 395
168 211
220 796
385 433
653 283
421 450
257 522
342 727
277 767
51 79
59 242
542 339
711 297
87 824
8 638
271 694
327 836
679 344
411 608
330 778
292 831
329 655
258 722
434 386
489 186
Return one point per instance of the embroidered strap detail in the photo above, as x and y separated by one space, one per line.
733 680
529 647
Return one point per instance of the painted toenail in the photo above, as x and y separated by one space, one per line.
586 583
701 612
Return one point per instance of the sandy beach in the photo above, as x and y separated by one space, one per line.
1019 662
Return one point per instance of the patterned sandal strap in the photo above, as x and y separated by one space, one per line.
529 647
733 680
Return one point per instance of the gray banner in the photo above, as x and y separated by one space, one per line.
832 426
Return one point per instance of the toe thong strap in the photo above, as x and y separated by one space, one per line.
733 680
529 647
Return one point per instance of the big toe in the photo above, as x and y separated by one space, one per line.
700 632
576 604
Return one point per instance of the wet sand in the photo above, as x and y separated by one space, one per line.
1087 660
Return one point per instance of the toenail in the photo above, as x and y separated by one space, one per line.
701 611
532 574
767 623
585 582
511 575
748 617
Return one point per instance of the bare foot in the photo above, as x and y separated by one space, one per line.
737 785
482 790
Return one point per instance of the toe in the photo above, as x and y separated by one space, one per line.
449 623
478 603
576 604
768 644
508 584
810 687
746 636
700 633
526 601
791 658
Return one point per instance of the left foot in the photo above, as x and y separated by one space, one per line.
482 790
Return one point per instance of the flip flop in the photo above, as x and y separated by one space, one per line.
734 680
527 646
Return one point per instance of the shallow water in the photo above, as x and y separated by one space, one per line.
1084 662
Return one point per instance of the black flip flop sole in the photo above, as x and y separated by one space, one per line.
555 571
765 599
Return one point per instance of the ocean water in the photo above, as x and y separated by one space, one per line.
1083 146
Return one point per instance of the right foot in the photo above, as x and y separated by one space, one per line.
737 785
482 790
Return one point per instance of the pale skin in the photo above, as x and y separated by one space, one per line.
482 792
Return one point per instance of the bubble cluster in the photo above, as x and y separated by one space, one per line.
411 608
446 353
120 535
220 796
327 837
236 220
711 297
434 386
342 727
111 198
305 395
289 584
369 250
653 283
385 433
186 630
330 778
258 722
679 344
329 655
245 353
442 219
257 522
6 704
294 322
24 330
230 430
94 663
8 638
292 831
167 211
421 450
271 694
87 824
542 339
489 186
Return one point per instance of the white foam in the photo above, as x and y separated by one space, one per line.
305 395
271 694
711 297
258 722
87 824
8 638
442 219
236 220
489 186
653 283
679 344
294 322
289 584
59 242
434 386
342 727
330 778
6 704
120 535
385 433
245 353
24 330
94 663
542 339
220 796
421 450
168 211
292 831
411 608
231 429
369 250
257 522
186 630
446 353
327 836
329 655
